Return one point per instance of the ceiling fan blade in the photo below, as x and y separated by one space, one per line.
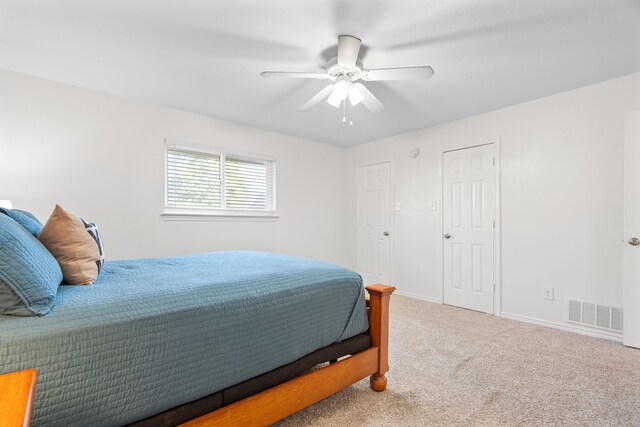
294 74
405 73
370 101
317 98
348 49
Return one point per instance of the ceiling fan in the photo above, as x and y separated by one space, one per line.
345 71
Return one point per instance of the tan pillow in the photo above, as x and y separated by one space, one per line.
75 244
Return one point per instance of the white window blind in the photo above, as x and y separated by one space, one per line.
193 180
246 184
219 183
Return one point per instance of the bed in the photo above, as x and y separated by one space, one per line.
160 341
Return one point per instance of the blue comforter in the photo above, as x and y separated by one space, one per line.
152 334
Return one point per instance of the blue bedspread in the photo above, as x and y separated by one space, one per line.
152 334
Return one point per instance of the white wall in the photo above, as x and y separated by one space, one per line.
562 186
103 157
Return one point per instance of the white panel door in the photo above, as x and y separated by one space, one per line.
374 223
631 290
468 225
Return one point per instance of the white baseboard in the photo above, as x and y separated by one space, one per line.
416 296
611 336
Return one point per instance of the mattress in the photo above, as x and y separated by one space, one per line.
153 334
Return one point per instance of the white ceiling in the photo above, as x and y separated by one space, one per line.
205 56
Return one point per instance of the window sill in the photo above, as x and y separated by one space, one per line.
189 215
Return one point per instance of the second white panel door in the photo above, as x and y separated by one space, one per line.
468 225
374 223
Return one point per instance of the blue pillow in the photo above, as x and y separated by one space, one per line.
25 219
29 274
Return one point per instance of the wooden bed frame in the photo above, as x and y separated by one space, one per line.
279 402
276 403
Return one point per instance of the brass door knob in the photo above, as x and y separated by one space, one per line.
634 241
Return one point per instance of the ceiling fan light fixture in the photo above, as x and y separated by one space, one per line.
339 94
355 96
333 100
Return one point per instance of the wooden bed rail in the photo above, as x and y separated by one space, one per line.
279 402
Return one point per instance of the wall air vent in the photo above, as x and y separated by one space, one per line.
595 315
588 313
604 316
617 323
575 311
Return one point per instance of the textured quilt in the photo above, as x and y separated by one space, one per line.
153 334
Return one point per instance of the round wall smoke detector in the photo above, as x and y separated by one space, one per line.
414 152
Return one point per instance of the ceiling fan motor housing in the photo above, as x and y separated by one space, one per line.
334 70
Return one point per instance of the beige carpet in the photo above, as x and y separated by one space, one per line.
451 366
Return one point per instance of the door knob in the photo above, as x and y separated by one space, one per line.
447 236
386 233
634 241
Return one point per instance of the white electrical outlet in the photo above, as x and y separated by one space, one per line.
398 206
548 293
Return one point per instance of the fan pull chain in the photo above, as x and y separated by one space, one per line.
344 114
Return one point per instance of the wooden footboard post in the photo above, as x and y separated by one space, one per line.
379 296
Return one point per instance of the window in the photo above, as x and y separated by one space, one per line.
210 183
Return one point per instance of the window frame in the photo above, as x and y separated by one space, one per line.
194 213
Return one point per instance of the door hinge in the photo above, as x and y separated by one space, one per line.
494 224
494 288
494 161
